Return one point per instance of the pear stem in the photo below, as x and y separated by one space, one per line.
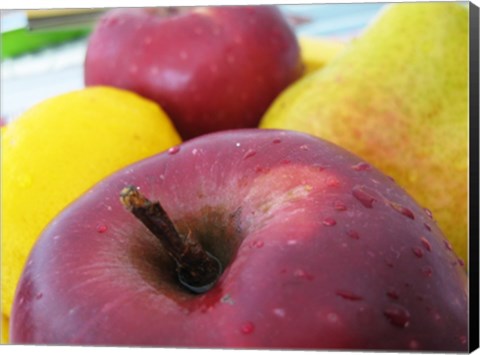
197 269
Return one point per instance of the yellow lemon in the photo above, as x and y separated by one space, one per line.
57 150
4 330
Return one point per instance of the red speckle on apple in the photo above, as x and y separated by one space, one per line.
398 315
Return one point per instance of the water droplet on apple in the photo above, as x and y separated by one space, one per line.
101 228
250 153
227 299
388 262
391 178
237 144
447 245
38 295
317 167
426 244
362 166
353 234
279 312
428 213
417 251
461 262
276 141
261 169
427 271
332 181
248 328
339 206
427 227
392 294
365 198
402 209
303 274
304 147
332 317
413 344
292 242
329 222
173 150
258 244
348 295
110 21
397 315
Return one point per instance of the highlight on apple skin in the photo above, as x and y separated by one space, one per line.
210 68
318 250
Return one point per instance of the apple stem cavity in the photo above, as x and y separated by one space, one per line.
197 269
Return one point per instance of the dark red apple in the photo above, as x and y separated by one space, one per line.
317 250
210 68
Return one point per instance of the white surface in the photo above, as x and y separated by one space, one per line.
31 79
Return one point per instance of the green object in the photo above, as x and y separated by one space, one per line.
22 40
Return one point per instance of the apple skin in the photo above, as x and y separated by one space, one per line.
320 251
210 68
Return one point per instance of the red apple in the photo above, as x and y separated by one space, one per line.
318 250
210 68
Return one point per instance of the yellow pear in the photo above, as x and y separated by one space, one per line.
398 97
316 52
57 150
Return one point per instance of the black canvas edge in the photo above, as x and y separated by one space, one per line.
474 179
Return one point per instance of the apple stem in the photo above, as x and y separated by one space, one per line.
197 269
